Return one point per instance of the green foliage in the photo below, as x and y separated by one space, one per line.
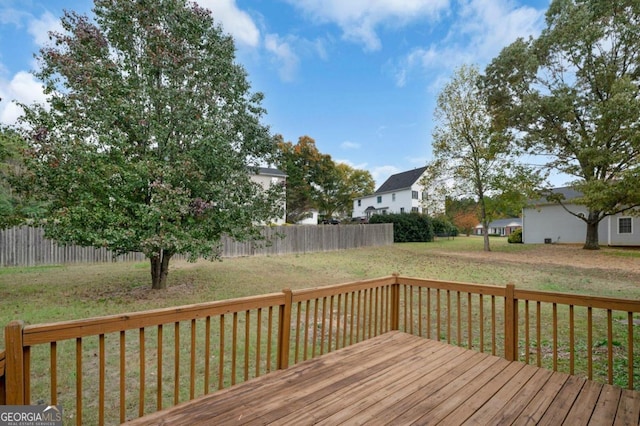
572 97
411 227
472 158
443 226
515 237
151 134
315 181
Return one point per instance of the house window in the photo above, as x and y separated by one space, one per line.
414 209
401 209
624 225
359 203
414 195
379 199
393 197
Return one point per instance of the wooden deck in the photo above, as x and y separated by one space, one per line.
399 379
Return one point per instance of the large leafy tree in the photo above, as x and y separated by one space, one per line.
471 158
572 96
149 135
315 181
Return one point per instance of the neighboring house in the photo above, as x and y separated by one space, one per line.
548 222
401 193
502 227
268 177
310 219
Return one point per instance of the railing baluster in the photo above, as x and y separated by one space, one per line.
53 367
27 374
122 376
493 325
324 316
315 328
221 354
78 381
247 343
345 319
481 319
269 338
101 379
428 313
353 318
526 332
438 312
297 346
377 313
234 348
555 337
630 349
306 329
420 311
371 311
330 336
448 316
610 346
258 340
358 318
142 372
459 319
192 362
338 321
538 334
176 362
410 308
207 354
590 342
469 321
159 368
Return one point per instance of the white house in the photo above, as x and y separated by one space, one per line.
268 177
400 193
547 221
503 227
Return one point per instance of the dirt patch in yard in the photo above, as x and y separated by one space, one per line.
615 259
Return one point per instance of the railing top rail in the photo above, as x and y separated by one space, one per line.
46 333
600 302
484 289
330 290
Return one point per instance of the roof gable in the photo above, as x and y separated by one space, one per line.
402 180
567 193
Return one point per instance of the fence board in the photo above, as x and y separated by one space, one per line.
26 246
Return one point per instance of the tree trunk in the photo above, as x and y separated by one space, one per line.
592 242
160 269
485 225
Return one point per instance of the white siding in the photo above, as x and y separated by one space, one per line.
402 200
618 239
552 221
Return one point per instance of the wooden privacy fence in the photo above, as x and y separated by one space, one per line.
26 246
155 359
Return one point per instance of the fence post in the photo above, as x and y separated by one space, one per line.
14 366
510 324
395 303
284 330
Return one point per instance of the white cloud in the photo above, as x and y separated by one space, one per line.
349 145
285 59
361 166
382 173
477 34
39 28
23 88
236 22
359 19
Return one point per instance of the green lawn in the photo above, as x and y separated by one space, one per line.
62 292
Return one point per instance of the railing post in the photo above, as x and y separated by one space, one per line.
14 366
510 324
3 389
284 330
395 303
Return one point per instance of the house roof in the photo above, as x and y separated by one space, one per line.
503 223
268 171
402 180
566 191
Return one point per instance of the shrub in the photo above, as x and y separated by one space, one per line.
443 227
411 227
515 237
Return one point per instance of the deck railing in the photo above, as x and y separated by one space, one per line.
110 369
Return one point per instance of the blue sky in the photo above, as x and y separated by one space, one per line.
361 77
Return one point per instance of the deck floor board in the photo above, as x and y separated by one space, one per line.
398 379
